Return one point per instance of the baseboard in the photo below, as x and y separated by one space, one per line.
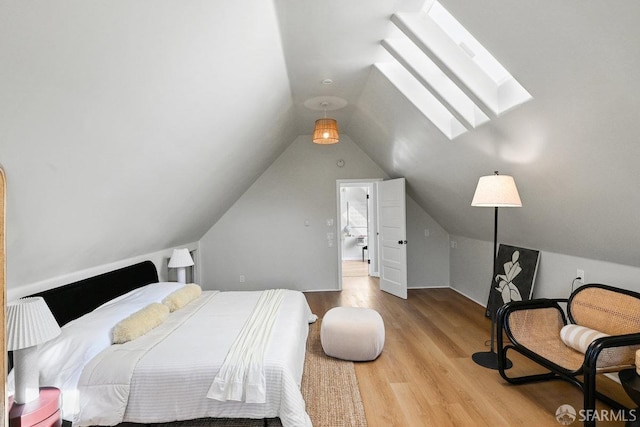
429 287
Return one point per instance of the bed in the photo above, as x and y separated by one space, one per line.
178 369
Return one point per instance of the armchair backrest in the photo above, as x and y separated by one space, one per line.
604 308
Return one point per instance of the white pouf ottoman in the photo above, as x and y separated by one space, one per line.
352 333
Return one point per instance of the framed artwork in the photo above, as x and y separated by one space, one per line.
514 277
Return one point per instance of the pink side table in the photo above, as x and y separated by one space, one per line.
41 412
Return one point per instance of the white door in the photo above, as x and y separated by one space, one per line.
393 237
372 240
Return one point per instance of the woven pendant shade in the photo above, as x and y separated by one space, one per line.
326 131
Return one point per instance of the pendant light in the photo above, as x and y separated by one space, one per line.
326 130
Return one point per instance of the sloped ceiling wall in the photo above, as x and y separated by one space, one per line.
573 149
130 127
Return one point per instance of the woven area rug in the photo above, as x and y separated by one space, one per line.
329 387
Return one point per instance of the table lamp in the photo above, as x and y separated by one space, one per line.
29 323
180 259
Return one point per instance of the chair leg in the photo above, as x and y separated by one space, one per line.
589 391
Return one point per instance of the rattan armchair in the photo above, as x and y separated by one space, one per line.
533 330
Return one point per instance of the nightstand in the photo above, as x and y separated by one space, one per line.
41 412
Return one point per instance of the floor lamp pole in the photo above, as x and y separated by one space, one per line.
489 359
493 271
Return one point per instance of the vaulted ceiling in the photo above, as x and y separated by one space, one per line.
129 127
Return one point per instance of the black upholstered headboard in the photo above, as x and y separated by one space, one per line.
71 301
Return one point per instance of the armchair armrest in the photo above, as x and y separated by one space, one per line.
615 358
550 311
531 326
532 304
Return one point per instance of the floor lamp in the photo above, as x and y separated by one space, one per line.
496 191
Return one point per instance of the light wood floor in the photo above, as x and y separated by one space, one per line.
425 375
354 269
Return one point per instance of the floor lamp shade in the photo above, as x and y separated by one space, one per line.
496 191
180 259
29 323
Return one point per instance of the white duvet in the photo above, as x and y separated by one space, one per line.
62 359
170 379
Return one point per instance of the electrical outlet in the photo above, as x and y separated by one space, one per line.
580 274
242 279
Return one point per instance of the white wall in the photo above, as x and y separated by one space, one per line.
427 252
123 122
471 265
159 258
263 237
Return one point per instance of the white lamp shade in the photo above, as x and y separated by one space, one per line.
496 191
29 323
180 258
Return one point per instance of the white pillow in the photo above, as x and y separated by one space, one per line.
578 337
182 296
139 323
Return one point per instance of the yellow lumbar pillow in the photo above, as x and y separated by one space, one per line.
181 297
139 323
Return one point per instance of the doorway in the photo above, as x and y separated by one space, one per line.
356 227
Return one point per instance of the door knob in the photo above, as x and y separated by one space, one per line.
402 242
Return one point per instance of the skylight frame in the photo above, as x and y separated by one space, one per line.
445 41
435 80
465 40
422 98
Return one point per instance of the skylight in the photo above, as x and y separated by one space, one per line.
424 100
437 82
467 42
455 69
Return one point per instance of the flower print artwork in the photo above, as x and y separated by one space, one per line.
507 289
513 278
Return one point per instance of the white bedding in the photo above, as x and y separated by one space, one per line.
62 359
184 377
170 381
